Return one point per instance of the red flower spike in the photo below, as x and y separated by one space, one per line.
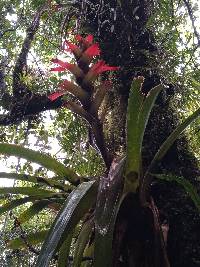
78 38
73 48
62 64
55 95
57 69
98 68
93 50
74 69
89 53
87 40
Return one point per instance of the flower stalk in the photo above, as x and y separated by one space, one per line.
89 96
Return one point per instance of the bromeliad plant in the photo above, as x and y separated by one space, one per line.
98 204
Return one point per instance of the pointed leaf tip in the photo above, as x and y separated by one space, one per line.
55 95
59 69
101 66
71 46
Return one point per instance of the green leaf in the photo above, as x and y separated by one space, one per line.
32 239
135 102
34 179
189 188
33 210
39 158
145 113
81 243
108 202
15 203
18 202
76 205
172 138
139 108
64 251
31 191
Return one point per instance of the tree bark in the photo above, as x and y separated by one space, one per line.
119 26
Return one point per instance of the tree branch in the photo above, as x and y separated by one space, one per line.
23 110
23 103
19 89
5 97
190 12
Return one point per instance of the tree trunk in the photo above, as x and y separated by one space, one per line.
119 26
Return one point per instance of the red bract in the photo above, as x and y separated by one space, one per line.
93 50
87 40
97 69
67 66
85 76
62 64
59 69
101 66
73 48
55 95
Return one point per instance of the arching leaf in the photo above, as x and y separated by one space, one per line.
15 203
35 179
40 158
64 251
172 138
33 210
189 188
139 109
81 243
76 205
30 191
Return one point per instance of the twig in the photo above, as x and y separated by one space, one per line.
190 12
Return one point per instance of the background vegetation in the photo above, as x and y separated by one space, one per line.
167 52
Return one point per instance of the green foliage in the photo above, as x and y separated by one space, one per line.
189 188
172 138
76 205
82 242
111 190
65 136
63 257
179 58
32 239
45 160
139 108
